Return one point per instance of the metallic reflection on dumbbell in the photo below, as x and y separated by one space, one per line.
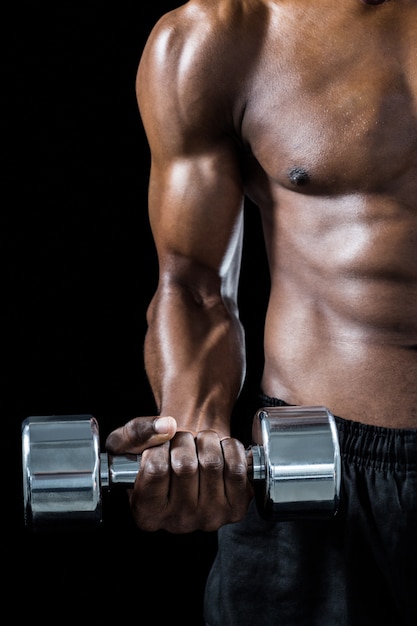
294 463
297 469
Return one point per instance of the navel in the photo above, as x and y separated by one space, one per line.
298 176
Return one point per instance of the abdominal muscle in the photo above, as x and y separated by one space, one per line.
341 325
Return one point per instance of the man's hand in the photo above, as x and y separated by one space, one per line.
185 483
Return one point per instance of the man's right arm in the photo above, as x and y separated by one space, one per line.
194 348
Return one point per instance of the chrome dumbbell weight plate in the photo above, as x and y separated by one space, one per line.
64 473
294 463
297 462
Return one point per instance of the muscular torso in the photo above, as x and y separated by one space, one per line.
310 109
330 134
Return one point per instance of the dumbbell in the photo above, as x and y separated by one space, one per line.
294 464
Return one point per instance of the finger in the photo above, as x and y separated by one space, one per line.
238 488
212 487
166 488
184 487
149 499
140 433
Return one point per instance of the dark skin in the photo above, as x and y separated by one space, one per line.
310 110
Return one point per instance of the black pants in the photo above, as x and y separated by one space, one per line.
356 569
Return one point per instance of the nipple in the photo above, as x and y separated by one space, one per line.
298 176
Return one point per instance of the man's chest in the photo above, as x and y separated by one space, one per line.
346 119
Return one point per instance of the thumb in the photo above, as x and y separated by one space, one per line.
165 427
140 433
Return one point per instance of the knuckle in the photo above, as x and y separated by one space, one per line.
154 464
184 466
157 468
212 463
237 471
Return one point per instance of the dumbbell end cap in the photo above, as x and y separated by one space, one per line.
61 473
302 462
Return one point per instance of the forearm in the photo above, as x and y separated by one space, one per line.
194 358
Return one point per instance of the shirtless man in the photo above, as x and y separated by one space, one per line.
310 110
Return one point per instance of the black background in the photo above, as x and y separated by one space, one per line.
78 270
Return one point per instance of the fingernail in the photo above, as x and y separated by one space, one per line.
161 425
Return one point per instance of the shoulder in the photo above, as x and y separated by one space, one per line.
204 21
200 47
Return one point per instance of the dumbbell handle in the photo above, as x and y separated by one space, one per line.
121 470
